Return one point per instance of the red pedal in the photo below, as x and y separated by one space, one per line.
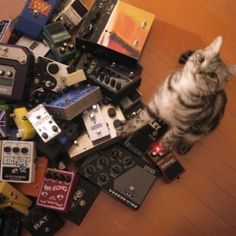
57 190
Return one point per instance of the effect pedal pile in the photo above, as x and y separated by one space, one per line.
69 76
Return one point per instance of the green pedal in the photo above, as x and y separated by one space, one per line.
59 41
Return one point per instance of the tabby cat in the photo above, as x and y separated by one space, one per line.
191 100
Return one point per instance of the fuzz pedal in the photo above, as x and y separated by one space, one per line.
17 161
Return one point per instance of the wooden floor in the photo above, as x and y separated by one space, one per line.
203 200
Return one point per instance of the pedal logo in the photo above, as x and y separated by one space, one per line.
40 6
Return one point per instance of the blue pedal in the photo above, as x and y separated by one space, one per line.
74 102
34 16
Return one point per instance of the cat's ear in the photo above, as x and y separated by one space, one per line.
232 69
215 45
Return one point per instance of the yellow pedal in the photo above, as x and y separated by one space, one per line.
11 197
25 129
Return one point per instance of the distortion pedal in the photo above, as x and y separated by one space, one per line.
32 189
57 190
16 67
59 41
95 124
167 163
71 14
39 49
74 102
84 145
11 197
106 25
116 79
25 129
53 76
17 161
41 221
121 174
34 16
43 123
139 141
84 195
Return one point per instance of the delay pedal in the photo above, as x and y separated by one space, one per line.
43 123
74 102
16 68
121 174
84 196
59 41
116 79
34 16
17 161
71 14
83 145
95 124
54 76
41 221
106 26
57 190
167 163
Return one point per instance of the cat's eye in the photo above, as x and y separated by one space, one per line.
201 59
212 74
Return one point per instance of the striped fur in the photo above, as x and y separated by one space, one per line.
191 100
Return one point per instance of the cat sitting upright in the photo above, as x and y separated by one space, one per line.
191 100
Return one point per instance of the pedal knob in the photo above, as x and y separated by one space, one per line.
53 68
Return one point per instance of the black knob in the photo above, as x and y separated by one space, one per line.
117 123
54 128
53 68
111 112
103 161
61 177
113 83
55 176
7 149
48 175
118 85
107 79
90 170
67 178
45 135
16 149
102 76
24 150
88 32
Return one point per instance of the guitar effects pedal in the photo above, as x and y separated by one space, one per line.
57 190
17 161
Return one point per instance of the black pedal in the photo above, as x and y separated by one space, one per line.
41 221
55 150
140 141
121 174
115 79
16 68
106 26
167 163
84 195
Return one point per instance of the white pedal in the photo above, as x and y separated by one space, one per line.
43 123
18 161
95 124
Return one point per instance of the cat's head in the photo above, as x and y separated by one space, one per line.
208 68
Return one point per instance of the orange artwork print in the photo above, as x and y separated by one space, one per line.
40 6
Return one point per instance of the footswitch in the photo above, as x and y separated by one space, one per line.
121 174
11 197
17 161
16 68
32 189
43 123
57 190
41 221
84 195
169 166
25 129
74 102
83 146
